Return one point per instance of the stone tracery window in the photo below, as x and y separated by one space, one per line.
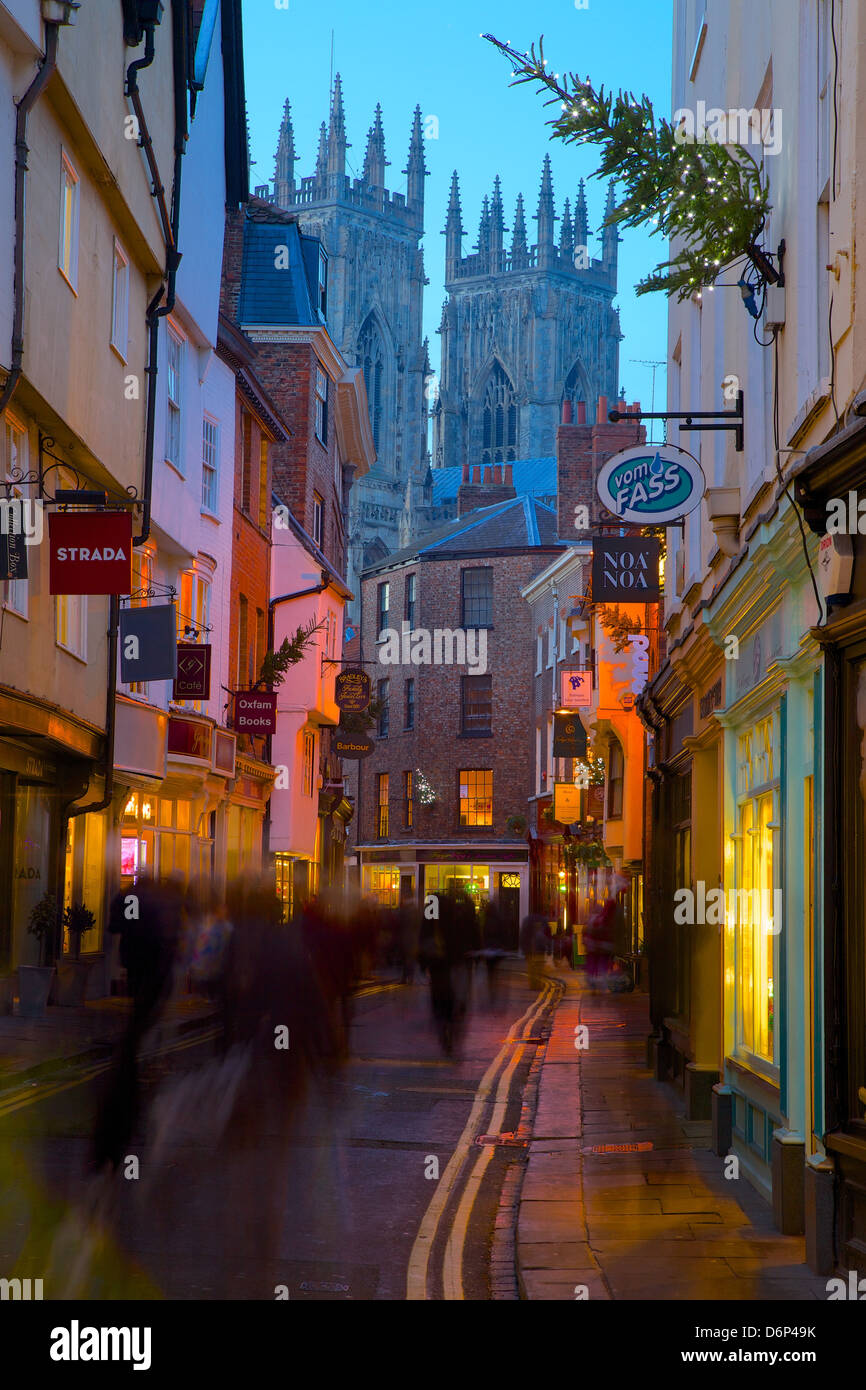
574 390
499 418
371 357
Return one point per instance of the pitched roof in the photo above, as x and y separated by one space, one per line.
518 523
535 477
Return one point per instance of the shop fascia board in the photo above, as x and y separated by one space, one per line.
30 716
697 658
752 705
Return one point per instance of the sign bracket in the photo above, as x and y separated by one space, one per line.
715 419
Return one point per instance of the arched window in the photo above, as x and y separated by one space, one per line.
499 419
574 390
371 359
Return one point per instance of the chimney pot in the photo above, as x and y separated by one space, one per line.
601 417
566 412
509 482
488 474
466 472
476 473
497 472
581 412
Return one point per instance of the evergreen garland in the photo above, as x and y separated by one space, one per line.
713 196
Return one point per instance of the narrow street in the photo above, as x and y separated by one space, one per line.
354 1207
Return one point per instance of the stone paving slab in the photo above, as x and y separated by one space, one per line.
660 1223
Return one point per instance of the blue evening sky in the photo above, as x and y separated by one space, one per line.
405 53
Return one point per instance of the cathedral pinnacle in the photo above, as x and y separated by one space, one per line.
519 248
284 172
322 157
337 143
416 170
566 233
375 162
546 215
581 221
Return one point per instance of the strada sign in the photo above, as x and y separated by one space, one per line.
90 552
649 486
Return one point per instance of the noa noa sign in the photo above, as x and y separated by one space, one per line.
648 486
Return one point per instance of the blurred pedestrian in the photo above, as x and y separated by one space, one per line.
533 943
493 937
149 919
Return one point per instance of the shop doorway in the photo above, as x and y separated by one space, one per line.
509 903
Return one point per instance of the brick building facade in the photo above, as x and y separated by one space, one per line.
435 802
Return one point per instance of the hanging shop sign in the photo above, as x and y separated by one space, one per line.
575 688
193 671
352 690
649 486
90 552
566 803
256 712
638 650
569 736
625 569
13 555
352 746
148 643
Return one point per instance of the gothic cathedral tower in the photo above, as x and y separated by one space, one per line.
375 291
522 330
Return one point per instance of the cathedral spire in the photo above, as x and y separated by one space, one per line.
453 230
337 143
284 172
581 222
416 170
484 235
566 235
497 227
322 161
519 248
609 235
374 160
545 216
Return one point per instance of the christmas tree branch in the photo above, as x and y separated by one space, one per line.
711 195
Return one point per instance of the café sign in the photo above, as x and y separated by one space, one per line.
651 486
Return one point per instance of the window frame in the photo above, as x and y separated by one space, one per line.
383 783
469 719
383 695
615 784
119 336
318 519
474 598
69 179
174 404
466 822
411 598
214 468
408 809
309 761
61 602
409 705
322 394
383 610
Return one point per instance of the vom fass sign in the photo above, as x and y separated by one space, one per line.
651 485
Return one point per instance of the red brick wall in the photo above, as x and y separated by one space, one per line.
303 465
436 745
581 452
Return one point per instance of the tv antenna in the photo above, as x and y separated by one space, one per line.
647 362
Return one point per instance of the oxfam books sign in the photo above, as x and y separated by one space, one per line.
646 486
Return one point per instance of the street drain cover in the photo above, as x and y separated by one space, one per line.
509 1138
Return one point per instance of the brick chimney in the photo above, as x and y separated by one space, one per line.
484 492
581 452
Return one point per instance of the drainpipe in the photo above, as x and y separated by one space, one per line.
27 102
170 226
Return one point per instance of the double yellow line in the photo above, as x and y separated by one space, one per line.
452 1269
